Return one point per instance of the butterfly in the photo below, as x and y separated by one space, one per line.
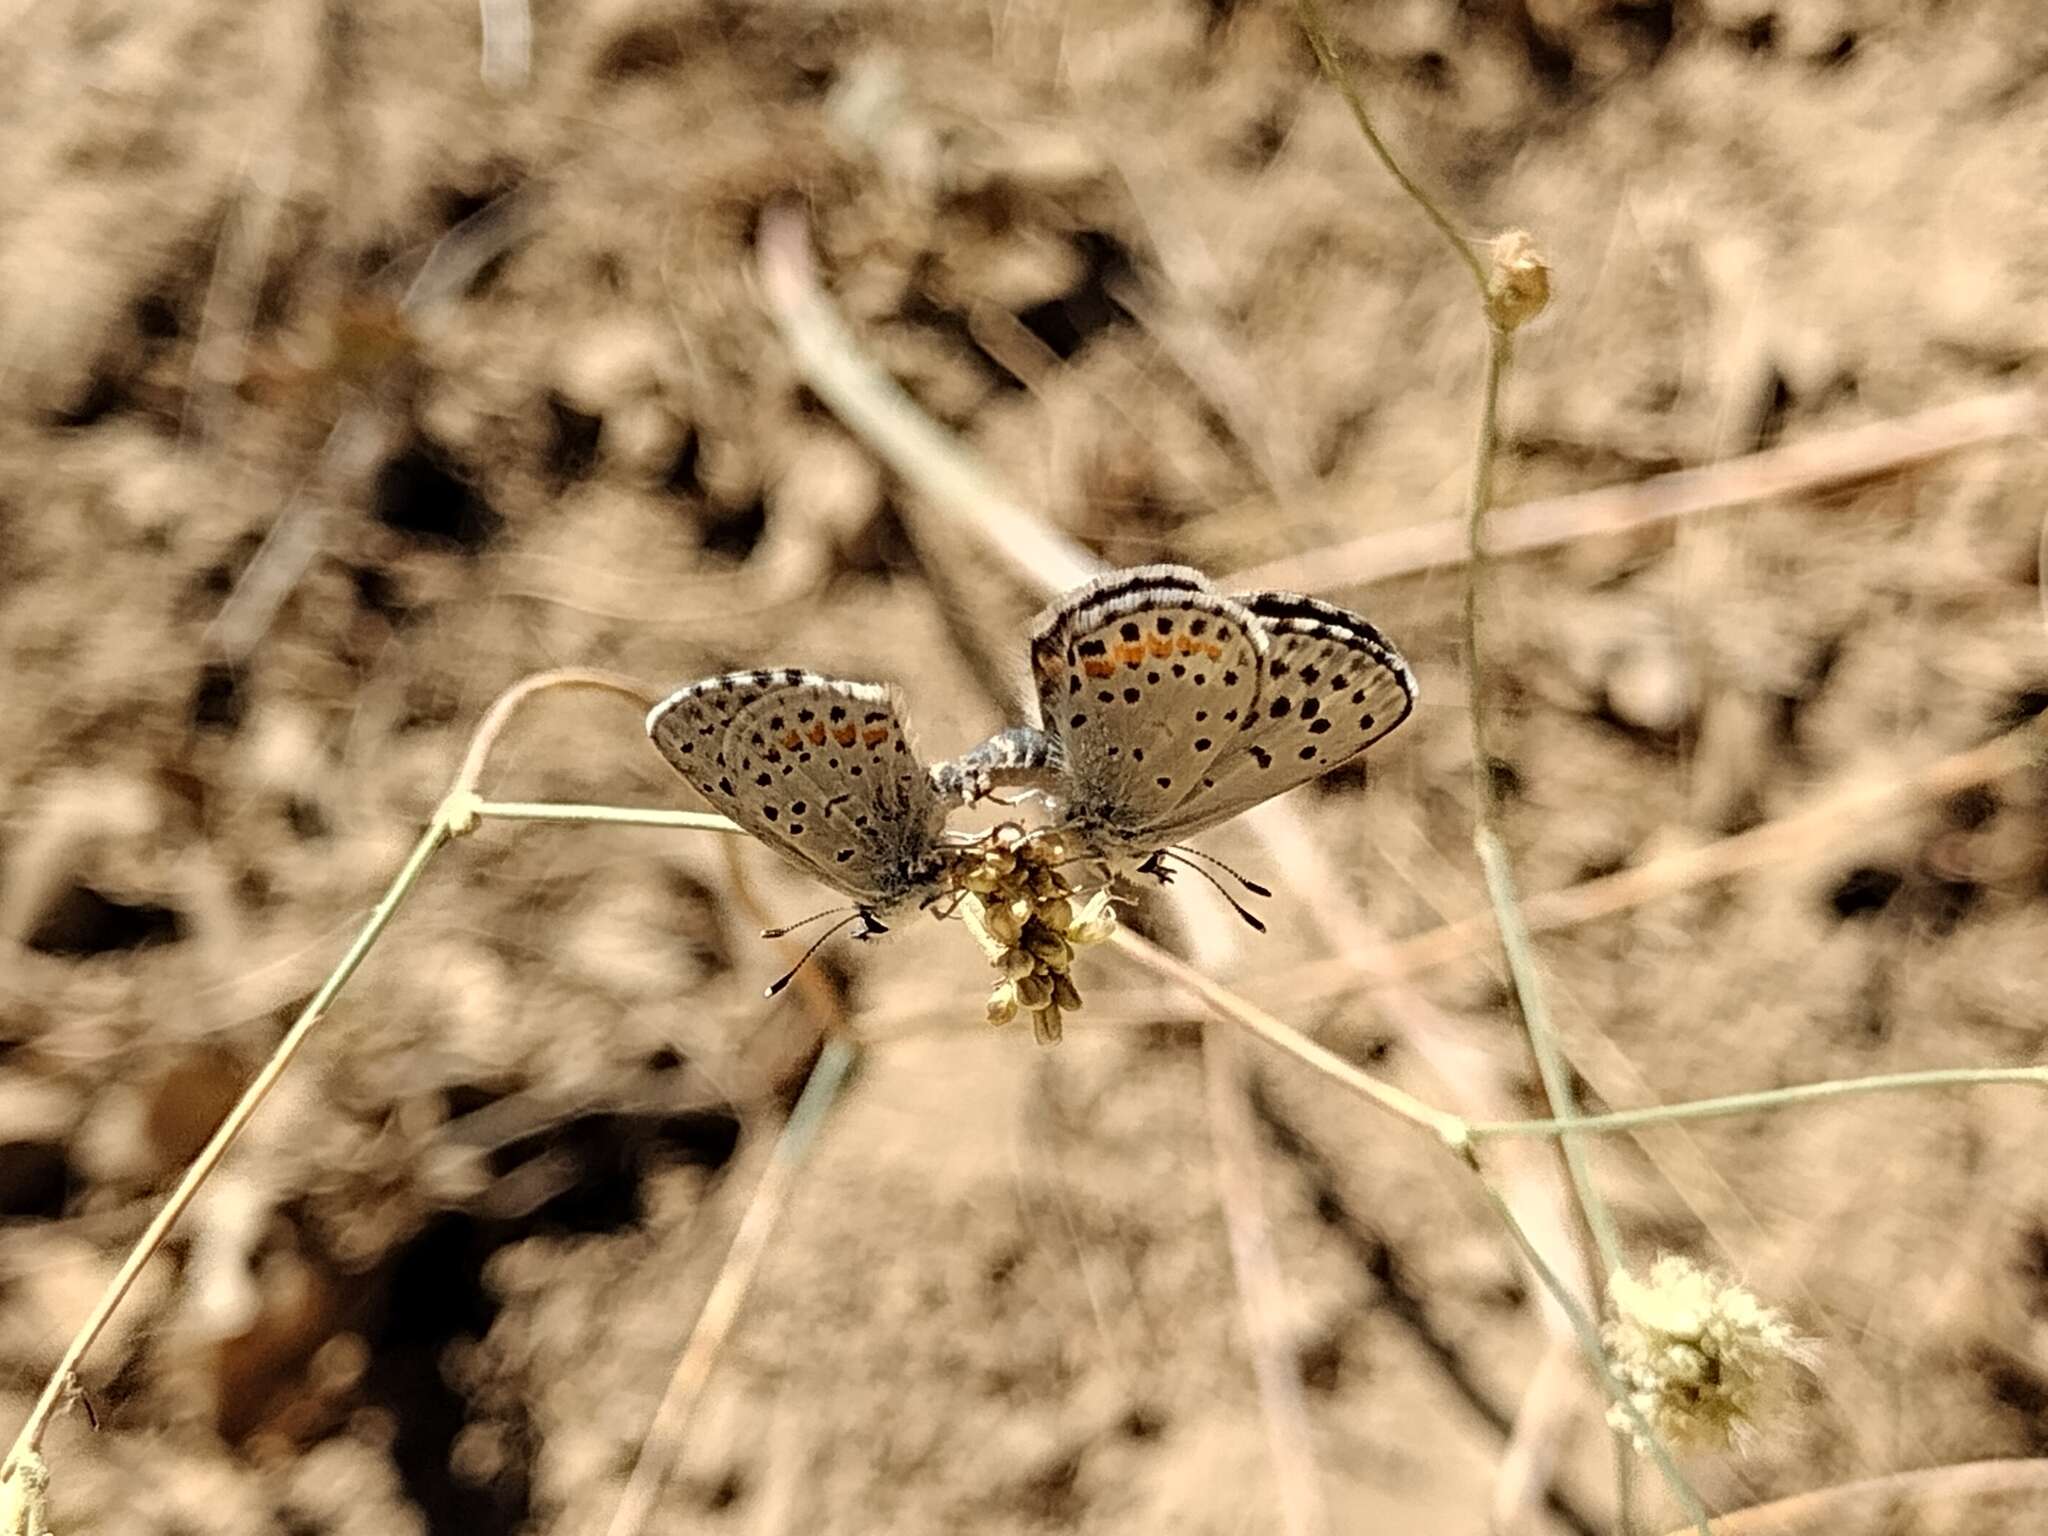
1167 707
822 771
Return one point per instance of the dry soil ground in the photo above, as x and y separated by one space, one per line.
1135 255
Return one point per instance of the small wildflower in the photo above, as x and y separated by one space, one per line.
1094 923
1701 1359
1025 914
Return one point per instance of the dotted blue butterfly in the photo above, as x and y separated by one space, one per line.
1167 707
821 770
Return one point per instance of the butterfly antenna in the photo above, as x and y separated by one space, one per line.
1251 885
790 975
802 922
1224 891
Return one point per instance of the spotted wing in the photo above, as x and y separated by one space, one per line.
688 728
1330 686
1052 630
829 768
821 770
1145 678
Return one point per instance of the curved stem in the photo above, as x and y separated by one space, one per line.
507 704
31 1437
1448 1128
1531 997
1334 71
455 816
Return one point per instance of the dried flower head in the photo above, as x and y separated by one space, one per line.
1702 1360
1517 281
1028 919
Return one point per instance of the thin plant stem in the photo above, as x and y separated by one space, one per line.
1761 1101
1334 71
1499 352
455 816
29 1440
1529 993
1550 1062
1448 1128
1493 857
1589 1341
607 815
1531 997
1926 1498
729 1292
508 704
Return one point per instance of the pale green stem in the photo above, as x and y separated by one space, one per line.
1334 71
1448 1128
30 1439
1764 1099
1589 1342
1493 857
1543 1042
609 815
1550 1062
1530 994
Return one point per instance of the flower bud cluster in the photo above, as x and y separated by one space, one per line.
1029 920
1701 1359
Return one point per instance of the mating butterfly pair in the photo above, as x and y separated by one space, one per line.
1165 708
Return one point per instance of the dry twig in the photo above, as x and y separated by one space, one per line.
664 1440
1965 1496
1801 834
1817 464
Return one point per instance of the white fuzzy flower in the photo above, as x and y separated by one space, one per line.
23 1496
1702 1360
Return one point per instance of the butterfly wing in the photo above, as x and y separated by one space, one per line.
1144 677
688 728
821 770
1052 630
1330 686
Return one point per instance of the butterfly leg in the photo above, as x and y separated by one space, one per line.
1155 866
